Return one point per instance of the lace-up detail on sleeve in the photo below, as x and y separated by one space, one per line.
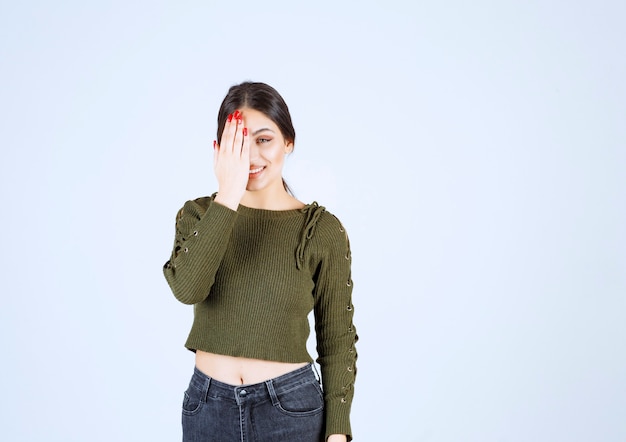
313 212
203 229
335 331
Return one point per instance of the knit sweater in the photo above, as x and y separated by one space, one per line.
254 275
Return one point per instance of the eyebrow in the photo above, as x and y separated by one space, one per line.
258 131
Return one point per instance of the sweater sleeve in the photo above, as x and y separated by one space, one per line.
203 229
335 331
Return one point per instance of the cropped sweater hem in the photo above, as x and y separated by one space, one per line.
247 352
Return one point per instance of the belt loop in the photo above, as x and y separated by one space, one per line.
207 385
319 378
270 390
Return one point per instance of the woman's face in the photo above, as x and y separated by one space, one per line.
267 151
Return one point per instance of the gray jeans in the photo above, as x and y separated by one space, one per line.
287 408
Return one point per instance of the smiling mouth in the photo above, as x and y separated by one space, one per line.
256 170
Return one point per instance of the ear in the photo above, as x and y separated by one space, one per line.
288 147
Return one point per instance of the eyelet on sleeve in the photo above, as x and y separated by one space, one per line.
195 233
343 400
349 283
349 368
349 308
186 249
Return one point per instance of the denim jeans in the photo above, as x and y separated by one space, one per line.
287 408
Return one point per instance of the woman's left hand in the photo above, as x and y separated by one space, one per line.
337 438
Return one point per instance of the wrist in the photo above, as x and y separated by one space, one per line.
228 200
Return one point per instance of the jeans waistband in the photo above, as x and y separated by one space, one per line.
259 391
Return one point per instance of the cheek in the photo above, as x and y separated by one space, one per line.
277 155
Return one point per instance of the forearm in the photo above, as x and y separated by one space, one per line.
200 245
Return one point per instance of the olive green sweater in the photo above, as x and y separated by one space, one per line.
254 275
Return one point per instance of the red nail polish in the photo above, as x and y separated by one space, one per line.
245 131
237 114
230 117
214 144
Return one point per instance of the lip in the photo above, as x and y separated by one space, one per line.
256 171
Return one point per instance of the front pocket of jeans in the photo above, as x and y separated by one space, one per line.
305 400
192 402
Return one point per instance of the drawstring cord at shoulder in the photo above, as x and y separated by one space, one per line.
313 212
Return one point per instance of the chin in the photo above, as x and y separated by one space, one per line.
253 187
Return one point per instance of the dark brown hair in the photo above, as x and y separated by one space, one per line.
260 97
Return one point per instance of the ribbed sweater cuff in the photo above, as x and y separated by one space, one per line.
338 419
217 210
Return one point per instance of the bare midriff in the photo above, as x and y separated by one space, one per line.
241 371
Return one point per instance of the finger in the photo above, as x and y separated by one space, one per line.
215 152
238 142
228 135
245 148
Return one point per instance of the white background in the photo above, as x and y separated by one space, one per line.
474 150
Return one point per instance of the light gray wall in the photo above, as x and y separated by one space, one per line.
474 150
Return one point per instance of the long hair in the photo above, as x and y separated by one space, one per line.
263 98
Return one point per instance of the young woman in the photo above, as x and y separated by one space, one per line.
254 261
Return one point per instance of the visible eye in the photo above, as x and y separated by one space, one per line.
263 140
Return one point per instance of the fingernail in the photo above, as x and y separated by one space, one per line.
214 144
237 114
230 117
245 131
